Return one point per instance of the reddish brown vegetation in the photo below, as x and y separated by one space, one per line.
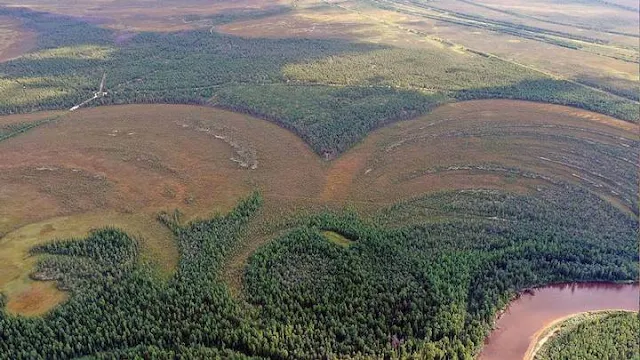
121 165
14 39
163 16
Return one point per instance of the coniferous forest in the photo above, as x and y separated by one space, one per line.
323 90
427 289
420 276
610 335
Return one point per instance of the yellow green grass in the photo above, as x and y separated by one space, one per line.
337 239
30 298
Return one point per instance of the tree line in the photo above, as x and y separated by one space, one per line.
426 288
330 92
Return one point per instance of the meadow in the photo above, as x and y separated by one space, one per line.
14 39
330 92
122 166
303 179
585 47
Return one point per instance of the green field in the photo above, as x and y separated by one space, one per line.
330 92
428 288
402 243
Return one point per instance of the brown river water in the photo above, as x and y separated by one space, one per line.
533 311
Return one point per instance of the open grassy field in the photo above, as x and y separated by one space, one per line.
593 19
14 39
121 165
6 121
397 168
591 56
329 91
600 15
593 43
469 139
595 56
149 15
583 50
337 239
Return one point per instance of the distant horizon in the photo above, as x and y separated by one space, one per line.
319 179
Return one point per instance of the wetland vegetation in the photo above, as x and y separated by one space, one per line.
404 243
330 92
430 288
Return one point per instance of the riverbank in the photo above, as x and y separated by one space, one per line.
547 333
535 310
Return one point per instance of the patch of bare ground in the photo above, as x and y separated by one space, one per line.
14 39
121 165
34 300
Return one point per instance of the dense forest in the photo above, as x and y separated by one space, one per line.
605 336
423 278
330 92
120 306
426 287
433 287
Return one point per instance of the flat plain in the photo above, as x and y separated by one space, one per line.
14 39
121 165
260 167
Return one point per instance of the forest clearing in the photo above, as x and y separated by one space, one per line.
306 179
121 165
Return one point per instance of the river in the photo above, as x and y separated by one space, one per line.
533 311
